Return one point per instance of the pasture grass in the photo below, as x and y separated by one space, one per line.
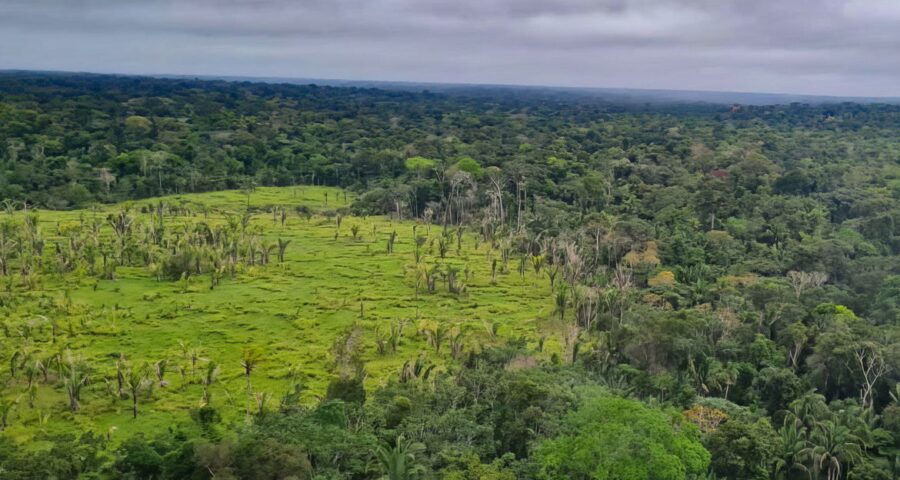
292 312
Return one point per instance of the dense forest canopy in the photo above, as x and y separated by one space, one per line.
796 187
726 278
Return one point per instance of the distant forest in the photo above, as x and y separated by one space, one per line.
69 140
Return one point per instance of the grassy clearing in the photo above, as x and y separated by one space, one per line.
291 312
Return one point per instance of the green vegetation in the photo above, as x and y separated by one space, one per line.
471 286
179 300
619 438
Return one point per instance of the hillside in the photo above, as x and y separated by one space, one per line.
292 312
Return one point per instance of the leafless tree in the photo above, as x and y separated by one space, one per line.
870 362
801 281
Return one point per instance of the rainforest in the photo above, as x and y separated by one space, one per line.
209 279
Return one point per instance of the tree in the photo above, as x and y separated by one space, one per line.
470 166
777 387
832 447
107 179
77 376
250 359
887 300
138 125
419 165
259 458
8 244
608 437
137 381
801 281
872 367
400 460
282 247
743 450
6 407
792 450
209 378
796 335
497 182
137 456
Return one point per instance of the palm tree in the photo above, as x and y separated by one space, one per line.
160 370
212 373
396 335
261 400
808 408
6 407
420 241
436 336
137 380
193 354
723 377
33 368
32 392
8 246
265 251
422 277
457 341
19 357
419 370
793 445
9 205
121 224
833 446
282 246
561 301
398 461
250 358
392 238
120 376
585 304
863 424
77 376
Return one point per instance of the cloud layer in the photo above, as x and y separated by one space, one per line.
838 47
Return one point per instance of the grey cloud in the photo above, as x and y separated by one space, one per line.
843 47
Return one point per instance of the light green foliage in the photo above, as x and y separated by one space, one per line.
610 438
290 311
138 124
420 165
471 166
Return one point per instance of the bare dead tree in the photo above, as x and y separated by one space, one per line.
871 364
801 281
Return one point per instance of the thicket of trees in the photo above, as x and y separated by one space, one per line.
726 281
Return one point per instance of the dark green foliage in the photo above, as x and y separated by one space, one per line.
347 389
67 457
744 450
138 459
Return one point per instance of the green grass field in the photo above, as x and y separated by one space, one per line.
292 312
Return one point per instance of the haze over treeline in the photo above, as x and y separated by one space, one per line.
832 47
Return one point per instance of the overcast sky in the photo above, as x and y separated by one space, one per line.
837 47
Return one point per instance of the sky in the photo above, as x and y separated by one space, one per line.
818 47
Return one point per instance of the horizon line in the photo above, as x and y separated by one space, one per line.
414 83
